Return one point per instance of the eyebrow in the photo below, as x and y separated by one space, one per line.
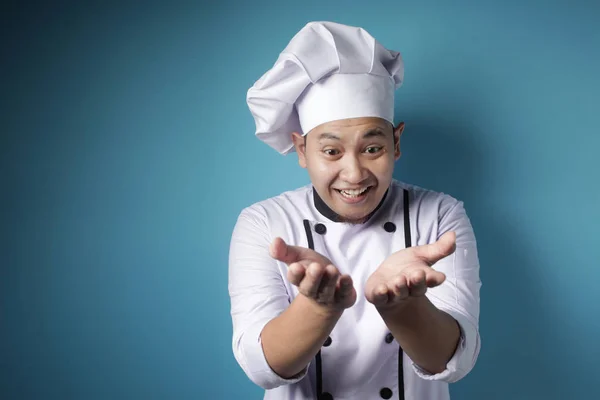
376 132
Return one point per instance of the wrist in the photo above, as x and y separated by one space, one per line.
402 309
327 312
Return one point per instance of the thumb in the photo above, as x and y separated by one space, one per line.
279 250
434 252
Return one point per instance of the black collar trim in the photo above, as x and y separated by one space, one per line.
332 215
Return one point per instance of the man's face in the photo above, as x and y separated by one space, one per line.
350 163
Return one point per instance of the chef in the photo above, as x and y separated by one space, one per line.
356 286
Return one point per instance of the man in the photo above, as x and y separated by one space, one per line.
356 286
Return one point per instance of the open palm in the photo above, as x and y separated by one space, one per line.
408 272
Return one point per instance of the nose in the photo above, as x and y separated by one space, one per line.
353 171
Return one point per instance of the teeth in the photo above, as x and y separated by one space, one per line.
353 193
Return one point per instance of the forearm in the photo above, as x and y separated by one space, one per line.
293 338
427 335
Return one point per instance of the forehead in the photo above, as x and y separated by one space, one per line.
350 124
350 127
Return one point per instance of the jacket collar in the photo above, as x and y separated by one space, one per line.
328 213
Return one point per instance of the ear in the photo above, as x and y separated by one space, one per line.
300 145
397 133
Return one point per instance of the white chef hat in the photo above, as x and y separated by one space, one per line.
327 72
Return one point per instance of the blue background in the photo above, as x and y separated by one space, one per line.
128 151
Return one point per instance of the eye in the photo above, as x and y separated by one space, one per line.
331 152
373 149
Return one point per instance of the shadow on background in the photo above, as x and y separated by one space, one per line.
448 156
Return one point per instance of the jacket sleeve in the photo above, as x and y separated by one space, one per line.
459 294
257 293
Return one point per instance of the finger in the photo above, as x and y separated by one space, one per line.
345 294
296 273
434 278
379 296
328 284
312 279
417 282
433 252
400 287
344 283
283 252
344 287
279 250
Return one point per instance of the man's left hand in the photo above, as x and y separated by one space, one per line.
408 273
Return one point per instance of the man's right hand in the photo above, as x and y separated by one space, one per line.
315 276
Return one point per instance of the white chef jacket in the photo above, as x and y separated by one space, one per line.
360 359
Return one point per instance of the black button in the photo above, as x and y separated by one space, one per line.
320 229
326 396
389 227
327 342
386 393
389 338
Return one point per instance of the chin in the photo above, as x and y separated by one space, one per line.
358 213
353 221
355 216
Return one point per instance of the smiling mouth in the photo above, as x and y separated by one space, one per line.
354 194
